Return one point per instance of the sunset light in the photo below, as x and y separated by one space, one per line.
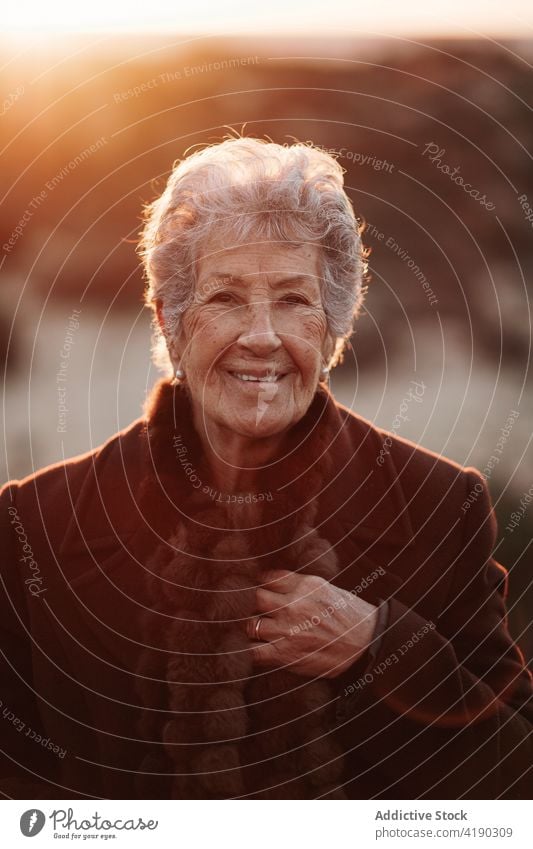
514 17
266 479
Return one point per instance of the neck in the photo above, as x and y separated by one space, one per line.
229 462
234 461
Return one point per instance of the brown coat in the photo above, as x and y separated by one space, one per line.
443 711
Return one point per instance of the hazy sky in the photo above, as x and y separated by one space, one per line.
374 17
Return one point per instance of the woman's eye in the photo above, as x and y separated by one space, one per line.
295 299
222 298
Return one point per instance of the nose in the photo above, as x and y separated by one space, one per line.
258 334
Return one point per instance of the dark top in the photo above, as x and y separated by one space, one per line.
438 707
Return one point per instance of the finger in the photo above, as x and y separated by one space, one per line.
272 630
251 627
268 655
267 630
280 580
270 602
264 654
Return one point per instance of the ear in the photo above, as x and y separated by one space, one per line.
328 348
174 345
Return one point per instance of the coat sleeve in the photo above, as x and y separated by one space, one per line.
26 768
447 711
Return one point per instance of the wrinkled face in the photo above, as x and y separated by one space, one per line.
254 340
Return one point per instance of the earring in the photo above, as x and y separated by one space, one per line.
179 374
324 373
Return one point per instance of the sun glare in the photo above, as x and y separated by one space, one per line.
514 17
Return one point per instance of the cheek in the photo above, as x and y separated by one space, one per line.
315 325
313 333
206 335
194 321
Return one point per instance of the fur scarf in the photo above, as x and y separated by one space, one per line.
219 727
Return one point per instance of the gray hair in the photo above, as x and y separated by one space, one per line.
252 190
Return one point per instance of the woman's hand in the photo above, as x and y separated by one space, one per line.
308 625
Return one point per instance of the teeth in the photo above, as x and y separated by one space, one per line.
266 379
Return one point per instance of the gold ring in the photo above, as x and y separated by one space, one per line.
257 627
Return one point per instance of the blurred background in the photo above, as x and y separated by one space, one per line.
429 112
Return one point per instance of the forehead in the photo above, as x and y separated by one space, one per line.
269 260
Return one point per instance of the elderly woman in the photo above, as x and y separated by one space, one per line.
252 592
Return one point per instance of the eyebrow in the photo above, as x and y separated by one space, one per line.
234 278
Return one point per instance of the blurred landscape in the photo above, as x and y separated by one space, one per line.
90 130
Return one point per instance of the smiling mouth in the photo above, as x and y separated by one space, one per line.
254 378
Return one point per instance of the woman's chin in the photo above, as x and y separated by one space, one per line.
259 424
256 410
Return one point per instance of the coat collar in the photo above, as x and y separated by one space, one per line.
362 497
363 514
